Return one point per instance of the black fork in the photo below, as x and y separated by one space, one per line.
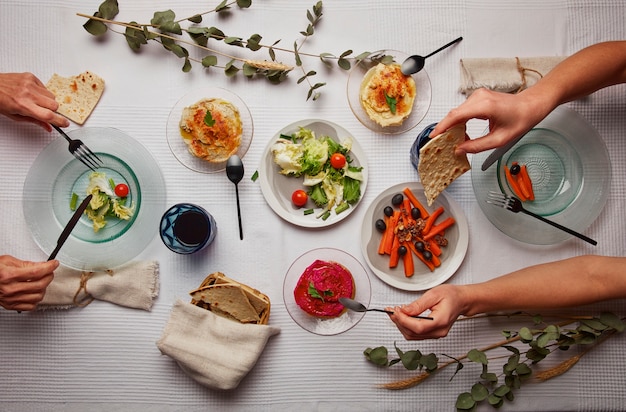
80 151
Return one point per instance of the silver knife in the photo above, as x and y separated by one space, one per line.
498 153
70 226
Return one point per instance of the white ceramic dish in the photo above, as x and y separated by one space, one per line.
56 174
277 188
452 255
331 326
178 145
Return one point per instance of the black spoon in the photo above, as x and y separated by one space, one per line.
234 171
414 64
359 307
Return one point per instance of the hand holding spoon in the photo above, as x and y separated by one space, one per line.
414 64
359 307
235 171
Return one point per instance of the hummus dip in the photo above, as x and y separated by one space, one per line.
213 138
320 286
387 95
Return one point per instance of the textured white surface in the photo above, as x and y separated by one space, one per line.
104 357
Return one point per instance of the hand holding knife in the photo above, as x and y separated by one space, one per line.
70 226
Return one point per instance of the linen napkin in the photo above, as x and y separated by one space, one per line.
134 285
214 351
508 75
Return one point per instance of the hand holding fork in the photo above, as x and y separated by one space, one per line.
80 151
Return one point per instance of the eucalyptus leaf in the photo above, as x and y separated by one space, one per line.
526 335
233 41
612 321
187 65
595 324
501 390
479 392
230 69
244 4
430 362
495 401
513 381
162 17
477 356
344 64
248 70
222 6
108 9
196 19
215 33
523 370
411 359
253 42
209 61
465 401
377 356
95 27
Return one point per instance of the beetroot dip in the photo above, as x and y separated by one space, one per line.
320 286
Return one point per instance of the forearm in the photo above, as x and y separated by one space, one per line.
567 283
590 69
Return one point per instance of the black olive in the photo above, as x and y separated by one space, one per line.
380 225
388 211
427 255
402 250
515 169
419 245
415 213
397 199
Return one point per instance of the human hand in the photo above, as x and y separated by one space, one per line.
23 284
445 303
24 98
509 116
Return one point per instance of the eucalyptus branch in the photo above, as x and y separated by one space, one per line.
165 29
541 342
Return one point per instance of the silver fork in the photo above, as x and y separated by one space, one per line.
81 151
515 205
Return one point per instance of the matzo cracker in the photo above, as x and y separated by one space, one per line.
77 95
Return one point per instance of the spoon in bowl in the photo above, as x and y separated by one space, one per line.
414 64
359 307
234 171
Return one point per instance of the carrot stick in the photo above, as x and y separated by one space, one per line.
436 261
406 210
392 226
526 183
513 183
416 203
421 257
431 220
394 256
434 247
409 268
440 227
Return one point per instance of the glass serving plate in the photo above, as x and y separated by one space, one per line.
56 174
570 169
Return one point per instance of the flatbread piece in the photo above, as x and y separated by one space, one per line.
77 95
438 165
232 299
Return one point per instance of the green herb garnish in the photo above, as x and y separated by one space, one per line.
255 176
391 102
208 119
317 294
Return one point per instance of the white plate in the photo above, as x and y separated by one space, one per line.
55 174
421 104
178 145
277 188
348 319
451 257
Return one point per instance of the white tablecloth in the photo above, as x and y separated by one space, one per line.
104 357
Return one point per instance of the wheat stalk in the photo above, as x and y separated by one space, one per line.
406 383
268 65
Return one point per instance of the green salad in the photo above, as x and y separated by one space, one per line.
325 166
109 200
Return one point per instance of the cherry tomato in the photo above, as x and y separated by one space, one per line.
121 190
337 160
299 198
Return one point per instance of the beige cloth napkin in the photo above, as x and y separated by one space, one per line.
508 75
214 351
134 285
